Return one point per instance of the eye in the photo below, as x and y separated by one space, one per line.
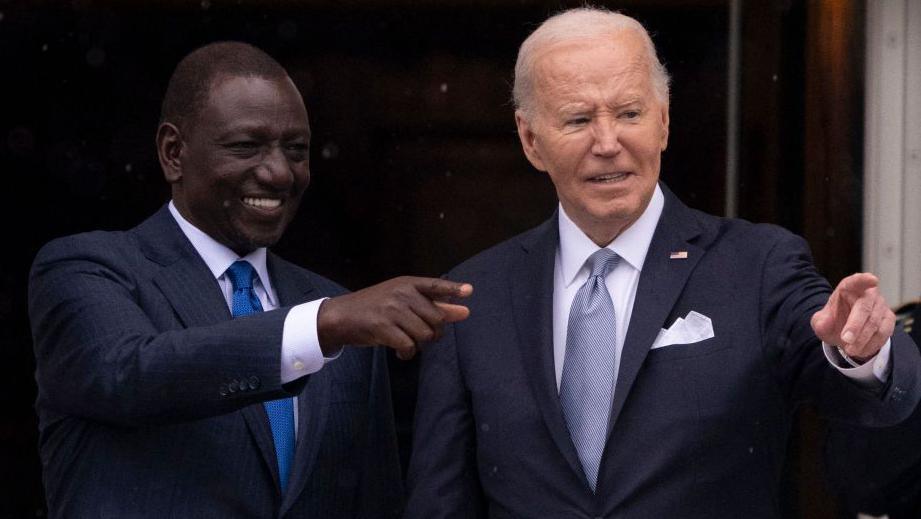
242 148
580 120
296 151
630 114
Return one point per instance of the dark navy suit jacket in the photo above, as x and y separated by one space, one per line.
696 430
150 395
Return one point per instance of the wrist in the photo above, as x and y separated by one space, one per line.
327 326
853 359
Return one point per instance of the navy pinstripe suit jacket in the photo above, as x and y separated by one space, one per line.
149 393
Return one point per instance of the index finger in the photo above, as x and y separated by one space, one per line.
453 313
436 288
858 283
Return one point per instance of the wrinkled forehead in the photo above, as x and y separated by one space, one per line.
612 60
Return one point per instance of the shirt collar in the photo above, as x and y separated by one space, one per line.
218 257
631 245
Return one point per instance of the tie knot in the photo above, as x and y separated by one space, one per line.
601 262
241 275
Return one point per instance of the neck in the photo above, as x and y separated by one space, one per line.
603 233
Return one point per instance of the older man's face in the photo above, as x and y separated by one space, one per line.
244 162
598 129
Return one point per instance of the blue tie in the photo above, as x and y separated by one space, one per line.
587 384
281 412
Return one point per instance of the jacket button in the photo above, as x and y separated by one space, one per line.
223 390
232 386
254 382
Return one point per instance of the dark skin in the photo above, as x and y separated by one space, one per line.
238 171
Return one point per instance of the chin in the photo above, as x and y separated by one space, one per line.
246 243
265 241
616 213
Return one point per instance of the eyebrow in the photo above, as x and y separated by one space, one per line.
262 131
576 107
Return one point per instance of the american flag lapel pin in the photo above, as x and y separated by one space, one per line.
678 254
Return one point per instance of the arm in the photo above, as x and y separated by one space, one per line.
792 294
108 347
443 479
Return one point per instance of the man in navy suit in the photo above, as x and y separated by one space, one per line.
186 371
632 357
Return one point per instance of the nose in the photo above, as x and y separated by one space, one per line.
274 170
606 138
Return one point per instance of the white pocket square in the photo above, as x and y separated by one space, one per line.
695 327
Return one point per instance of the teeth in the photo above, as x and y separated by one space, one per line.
262 203
605 178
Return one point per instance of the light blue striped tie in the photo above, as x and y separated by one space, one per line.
587 385
281 412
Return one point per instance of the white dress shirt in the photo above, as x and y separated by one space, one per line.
300 346
631 245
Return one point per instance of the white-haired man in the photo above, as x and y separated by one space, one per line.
632 357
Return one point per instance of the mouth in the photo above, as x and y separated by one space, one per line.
264 208
608 178
262 204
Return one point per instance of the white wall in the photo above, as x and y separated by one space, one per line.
892 153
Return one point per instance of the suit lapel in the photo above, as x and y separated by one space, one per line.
531 276
661 282
190 287
194 294
311 420
257 421
293 287
183 277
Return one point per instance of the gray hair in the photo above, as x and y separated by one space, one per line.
576 24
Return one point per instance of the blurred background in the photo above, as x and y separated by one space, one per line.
415 161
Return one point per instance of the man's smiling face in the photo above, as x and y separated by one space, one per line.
244 162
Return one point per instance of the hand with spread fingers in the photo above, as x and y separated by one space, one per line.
856 317
399 313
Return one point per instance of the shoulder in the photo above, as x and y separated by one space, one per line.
104 247
743 237
156 234
710 230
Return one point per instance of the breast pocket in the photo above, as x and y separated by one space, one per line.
686 351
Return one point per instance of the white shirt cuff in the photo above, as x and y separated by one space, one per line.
870 373
300 346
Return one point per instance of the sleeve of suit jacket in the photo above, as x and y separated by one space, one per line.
104 353
791 292
443 470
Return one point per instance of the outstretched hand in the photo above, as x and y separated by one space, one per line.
856 317
399 313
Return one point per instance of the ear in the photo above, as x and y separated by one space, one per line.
169 150
528 137
664 143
